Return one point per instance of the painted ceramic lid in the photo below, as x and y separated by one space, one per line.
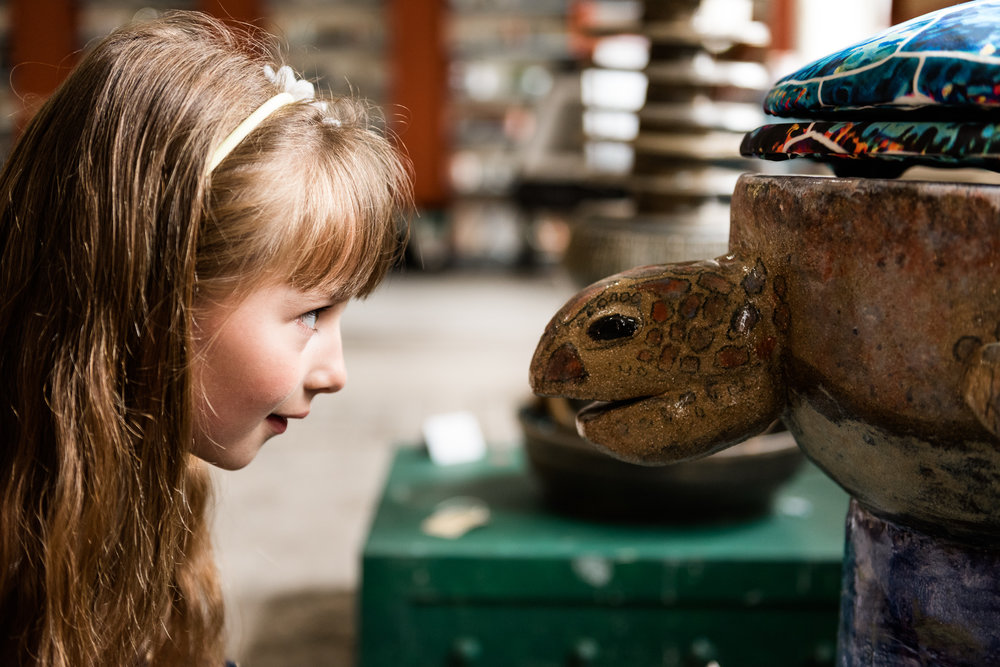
879 148
946 63
923 92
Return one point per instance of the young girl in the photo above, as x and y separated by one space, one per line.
180 228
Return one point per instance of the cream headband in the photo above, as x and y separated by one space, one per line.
293 90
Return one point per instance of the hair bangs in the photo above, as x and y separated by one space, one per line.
328 218
344 232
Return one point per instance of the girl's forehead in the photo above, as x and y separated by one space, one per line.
267 295
276 282
309 297
331 287
324 293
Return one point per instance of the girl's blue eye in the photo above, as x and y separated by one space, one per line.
309 319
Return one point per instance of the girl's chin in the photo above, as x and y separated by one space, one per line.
240 454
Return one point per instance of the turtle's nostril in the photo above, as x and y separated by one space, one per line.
565 365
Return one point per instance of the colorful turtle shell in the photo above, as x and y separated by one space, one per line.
889 146
923 92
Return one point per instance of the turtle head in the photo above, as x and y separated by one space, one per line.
652 329
661 346
598 345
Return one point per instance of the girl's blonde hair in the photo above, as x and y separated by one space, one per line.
112 229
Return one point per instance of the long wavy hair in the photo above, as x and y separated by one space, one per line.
112 232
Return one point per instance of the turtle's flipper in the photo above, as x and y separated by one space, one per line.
982 386
684 425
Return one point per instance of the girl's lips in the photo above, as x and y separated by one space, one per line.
278 423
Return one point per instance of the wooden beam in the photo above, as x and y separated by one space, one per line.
904 10
43 49
235 11
782 23
418 92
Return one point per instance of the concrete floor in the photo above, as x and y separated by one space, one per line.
290 527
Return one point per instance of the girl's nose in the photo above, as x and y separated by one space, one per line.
328 372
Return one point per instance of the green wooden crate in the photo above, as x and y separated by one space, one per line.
535 589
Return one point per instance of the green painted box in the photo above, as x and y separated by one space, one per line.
532 588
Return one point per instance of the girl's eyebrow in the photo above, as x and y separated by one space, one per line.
336 295
339 295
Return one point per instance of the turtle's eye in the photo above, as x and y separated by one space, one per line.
612 327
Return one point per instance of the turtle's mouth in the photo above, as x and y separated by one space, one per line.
599 408
609 423
649 430
620 428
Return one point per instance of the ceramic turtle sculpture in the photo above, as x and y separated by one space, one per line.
924 92
861 312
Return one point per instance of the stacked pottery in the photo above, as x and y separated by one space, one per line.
703 80
861 310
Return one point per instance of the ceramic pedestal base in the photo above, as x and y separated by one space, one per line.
912 599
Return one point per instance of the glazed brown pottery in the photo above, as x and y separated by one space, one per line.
863 312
